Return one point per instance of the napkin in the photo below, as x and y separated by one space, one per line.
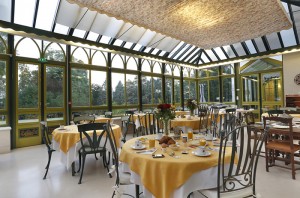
147 152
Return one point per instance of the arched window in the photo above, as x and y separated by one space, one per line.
176 71
168 69
80 55
146 66
99 58
185 72
117 61
55 52
3 43
157 68
131 64
24 44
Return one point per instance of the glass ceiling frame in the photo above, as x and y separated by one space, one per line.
182 53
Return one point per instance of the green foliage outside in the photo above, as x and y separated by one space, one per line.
28 86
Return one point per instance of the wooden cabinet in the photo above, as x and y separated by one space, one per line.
292 100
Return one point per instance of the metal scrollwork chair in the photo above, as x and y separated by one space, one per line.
91 143
121 178
48 143
127 120
108 114
237 178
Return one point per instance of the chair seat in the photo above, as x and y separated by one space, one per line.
282 146
124 178
89 149
212 193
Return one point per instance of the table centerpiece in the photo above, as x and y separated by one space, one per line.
192 105
165 113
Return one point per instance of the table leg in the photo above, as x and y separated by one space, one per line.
137 191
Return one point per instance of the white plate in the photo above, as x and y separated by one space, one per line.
138 148
202 154
214 139
281 127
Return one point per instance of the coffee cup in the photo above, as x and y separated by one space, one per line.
61 126
184 139
209 137
137 144
200 150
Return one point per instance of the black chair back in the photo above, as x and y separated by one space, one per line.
275 113
203 116
94 139
240 172
151 123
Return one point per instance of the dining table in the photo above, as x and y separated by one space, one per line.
186 123
67 141
173 176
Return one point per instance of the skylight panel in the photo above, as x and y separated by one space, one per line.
79 33
251 47
239 49
273 41
46 14
92 36
211 55
24 12
260 44
220 53
61 29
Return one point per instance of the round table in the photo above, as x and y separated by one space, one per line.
168 176
192 123
67 141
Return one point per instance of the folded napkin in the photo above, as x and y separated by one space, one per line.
147 152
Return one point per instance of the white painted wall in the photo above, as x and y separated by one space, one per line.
291 67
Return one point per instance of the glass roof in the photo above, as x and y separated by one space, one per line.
61 17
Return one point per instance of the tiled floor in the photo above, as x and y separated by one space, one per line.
21 173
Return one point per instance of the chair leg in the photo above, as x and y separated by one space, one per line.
137 191
267 159
48 164
96 156
293 166
83 162
79 167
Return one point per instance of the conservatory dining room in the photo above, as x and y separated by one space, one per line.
149 99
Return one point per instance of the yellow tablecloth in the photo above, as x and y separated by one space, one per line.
179 113
102 119
70 136
193 123
161 176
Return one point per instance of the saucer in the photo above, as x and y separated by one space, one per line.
138 148
205 154
213 139
62 129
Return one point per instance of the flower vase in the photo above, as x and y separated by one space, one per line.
166 125
191 113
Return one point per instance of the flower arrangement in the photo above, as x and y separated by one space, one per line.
165 112
191 104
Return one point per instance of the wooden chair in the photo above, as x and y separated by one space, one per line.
275 113
121 178
280 140
141 130
48 143
203 116
91 144
238 178
151 123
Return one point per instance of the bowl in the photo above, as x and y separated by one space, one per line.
174 147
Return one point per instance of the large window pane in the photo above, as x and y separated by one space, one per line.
228 90
168 90
157 89
186 89
146 90
80 87
2 85
28 85
54 86
203 91
118 89
250 91
131 89
98 80
193 93
176 91
214 91
272 88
